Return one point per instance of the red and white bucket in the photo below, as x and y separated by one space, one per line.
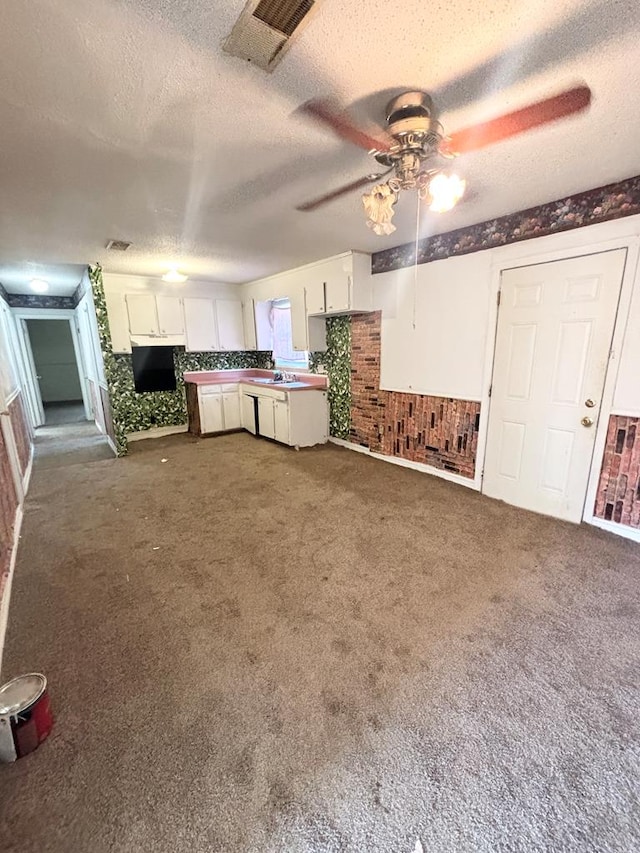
25 715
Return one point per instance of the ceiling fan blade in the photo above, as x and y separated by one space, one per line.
347 188
551 109
328 113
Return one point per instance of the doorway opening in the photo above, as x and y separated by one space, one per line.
57 373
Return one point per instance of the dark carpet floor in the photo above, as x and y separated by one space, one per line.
256 650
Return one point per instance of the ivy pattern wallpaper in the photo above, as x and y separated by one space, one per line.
336 363
134 412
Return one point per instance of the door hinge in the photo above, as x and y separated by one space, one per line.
498 298
490 390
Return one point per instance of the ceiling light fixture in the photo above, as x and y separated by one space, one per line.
39 285
174 277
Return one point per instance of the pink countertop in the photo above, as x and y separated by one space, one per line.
304 381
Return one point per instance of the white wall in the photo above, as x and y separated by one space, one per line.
626 400
435 326
8 373
55 360
438 328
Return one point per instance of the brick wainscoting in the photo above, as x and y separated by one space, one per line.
8 507
436 431
21 431
618 497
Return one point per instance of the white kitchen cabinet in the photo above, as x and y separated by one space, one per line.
118 322
142 313
230 324
340 285
308 334
170 315
281 420
200 324
338 289
296 418
249 324
315 295
231 410
211 413
266 422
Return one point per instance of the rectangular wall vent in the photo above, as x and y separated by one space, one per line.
118 245
266 28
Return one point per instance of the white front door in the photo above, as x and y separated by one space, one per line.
555 326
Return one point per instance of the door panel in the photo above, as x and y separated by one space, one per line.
281 421
211 413
231 407
230 324
265 417
200 322
143 319
170 316
554 333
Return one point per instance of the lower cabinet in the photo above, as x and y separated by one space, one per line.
213 408
231 410
211 413
298 418
281 421
265 417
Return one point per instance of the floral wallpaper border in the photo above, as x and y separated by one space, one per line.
588 208
36 300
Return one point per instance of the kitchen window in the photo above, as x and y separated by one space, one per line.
284 355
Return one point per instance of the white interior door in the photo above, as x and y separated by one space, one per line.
555 326
30 378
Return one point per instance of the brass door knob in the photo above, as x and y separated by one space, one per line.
589 403
586 422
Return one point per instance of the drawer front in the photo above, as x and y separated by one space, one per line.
269 391
210 389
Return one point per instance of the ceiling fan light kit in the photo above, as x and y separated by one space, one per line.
414 142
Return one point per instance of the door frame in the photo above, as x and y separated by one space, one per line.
520 255
68 314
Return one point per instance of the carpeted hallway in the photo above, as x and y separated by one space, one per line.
253 650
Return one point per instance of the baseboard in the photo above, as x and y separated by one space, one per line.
6 592
111 444
624 530
407 463
156 432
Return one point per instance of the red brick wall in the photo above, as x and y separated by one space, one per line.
618 497
21 431
8 506
437 431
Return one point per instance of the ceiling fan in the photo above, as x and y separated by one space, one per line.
413 145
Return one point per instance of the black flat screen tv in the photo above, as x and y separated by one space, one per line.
153 369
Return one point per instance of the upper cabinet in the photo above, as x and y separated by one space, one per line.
200 322
213 324
170 315
258 325
143 317
230 324
339 285
154 316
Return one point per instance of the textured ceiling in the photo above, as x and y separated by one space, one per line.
124 119
63 279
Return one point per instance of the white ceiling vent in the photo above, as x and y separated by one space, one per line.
118 245
266 28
